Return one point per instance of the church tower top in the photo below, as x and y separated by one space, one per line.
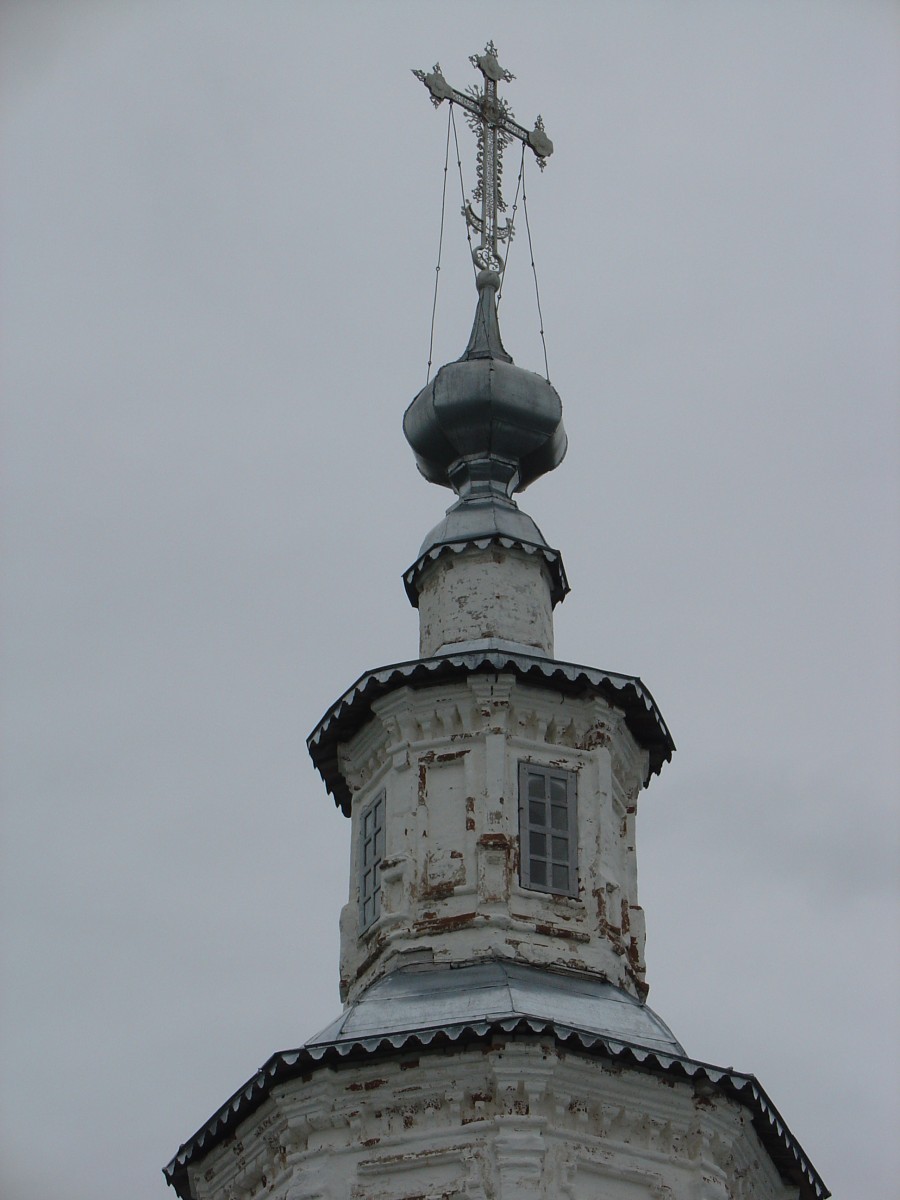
482 425
492 790
495 1036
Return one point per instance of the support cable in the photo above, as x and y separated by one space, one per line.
462 190
537 292
437 269
512 227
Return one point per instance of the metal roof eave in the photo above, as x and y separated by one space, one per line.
347 715
783 1148
559 584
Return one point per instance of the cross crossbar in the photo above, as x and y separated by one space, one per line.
490 117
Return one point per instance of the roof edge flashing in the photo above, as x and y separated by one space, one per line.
786 1152
353 709
559 584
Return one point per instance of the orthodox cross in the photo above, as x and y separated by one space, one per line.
490 117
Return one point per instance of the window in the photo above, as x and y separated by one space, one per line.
371 850
547 830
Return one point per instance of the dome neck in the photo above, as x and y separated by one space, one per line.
485 340
483 476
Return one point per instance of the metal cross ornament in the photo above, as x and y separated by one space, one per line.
490 117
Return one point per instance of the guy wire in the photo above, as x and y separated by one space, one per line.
462 188
512 228
537 292
437 269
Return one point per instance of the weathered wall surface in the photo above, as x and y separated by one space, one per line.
447 761
508 1121
496 593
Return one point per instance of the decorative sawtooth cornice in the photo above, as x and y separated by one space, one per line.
333 1048
559 584
348 714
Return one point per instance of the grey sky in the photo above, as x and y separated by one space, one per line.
219 226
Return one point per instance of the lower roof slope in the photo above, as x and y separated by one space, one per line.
415 999
418 1007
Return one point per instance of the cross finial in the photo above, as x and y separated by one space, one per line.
490 117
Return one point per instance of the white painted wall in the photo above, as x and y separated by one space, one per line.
447 758
496 593
515 1120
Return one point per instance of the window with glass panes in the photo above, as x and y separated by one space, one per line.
371 850
547 830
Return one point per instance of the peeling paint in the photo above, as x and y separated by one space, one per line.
451 864
556 931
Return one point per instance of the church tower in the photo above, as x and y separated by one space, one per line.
495 1041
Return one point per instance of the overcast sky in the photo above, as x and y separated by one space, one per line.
220 226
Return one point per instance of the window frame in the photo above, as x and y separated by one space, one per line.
370 893
529 826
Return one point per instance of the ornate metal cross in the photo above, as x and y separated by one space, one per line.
491 119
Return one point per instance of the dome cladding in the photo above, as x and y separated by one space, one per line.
483 423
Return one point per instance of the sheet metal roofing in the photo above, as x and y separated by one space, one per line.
459 531
484 419
435 998
348 714
439 1007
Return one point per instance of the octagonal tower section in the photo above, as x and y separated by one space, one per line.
492 789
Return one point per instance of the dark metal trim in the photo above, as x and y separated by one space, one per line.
784 1150
559 584
347 715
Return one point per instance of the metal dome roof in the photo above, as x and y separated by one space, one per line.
483 423
444 1007
417 999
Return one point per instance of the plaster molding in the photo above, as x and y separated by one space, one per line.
523 1117
447 761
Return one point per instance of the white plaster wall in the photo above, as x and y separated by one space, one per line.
493 593
447 758
519 1119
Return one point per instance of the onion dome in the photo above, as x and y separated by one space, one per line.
487 429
